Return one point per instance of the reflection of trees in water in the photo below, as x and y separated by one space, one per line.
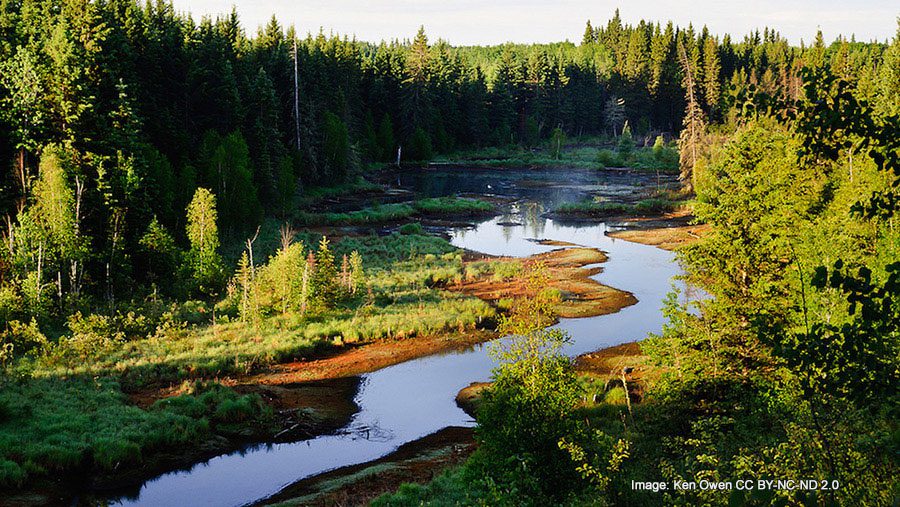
533 220
510 215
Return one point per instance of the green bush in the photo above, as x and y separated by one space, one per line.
609 158
11 474
615 396
412 228
626 143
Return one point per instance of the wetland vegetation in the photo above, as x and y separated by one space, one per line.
223 248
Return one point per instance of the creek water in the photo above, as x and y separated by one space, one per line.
402 403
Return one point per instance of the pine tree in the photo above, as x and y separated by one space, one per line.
357 275
325 278
711 75
386 138
23 107
418 73
244 279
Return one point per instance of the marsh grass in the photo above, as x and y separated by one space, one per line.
51 426
606 208
403 298
394 212
499 269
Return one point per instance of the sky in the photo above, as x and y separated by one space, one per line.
465 22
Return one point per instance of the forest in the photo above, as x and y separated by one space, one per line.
167 187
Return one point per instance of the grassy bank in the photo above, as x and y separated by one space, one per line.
435 207
586 153
591 209
53 426
314 195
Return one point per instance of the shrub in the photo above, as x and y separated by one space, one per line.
92 337
412 228
609 158
615 396
626 143
19 339
11 474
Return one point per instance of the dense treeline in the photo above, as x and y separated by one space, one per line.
136 106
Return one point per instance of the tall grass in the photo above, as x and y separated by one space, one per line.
50 426
399 211
605 208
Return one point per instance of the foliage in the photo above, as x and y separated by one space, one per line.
204 262
530 445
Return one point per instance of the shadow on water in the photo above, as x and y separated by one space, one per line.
410 400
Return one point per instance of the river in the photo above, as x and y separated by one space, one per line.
402 403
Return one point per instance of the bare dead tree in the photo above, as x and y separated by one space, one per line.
694 121
287 235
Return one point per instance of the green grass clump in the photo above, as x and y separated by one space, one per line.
217 402
54 425
412 228
606 208
615 396
453 206
453 487
400 211
375 214
500 270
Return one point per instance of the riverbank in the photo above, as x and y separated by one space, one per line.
418 461
668 231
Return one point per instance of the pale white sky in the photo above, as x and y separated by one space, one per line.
463 22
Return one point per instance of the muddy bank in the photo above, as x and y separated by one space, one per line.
417 462
370 357
667 238
570 271
469 397
612 364
668 231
